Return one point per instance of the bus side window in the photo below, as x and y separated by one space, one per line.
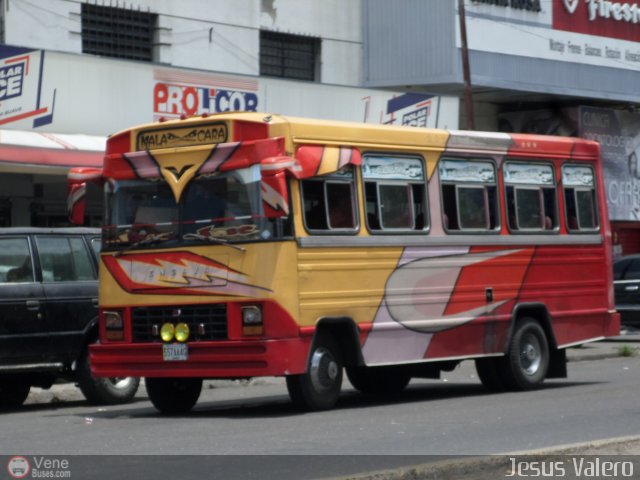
329 202
580 198
395 193
469 195
530 193
315 214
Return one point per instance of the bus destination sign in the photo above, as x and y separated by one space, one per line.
182 136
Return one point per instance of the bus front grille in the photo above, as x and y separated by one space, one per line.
206 322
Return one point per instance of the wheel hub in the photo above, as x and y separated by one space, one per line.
530 357
324 369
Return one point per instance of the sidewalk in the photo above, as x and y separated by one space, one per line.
626 344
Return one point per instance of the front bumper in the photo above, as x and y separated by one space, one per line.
222 359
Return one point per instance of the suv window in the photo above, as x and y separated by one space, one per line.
64 259
15 261
633 271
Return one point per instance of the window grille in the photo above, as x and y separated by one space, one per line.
2 7
289 56
118 32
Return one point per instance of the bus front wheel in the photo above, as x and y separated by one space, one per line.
319 387
173 395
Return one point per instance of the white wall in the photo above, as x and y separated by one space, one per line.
99 96
216 35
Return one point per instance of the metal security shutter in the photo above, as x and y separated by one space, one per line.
118 32
289 56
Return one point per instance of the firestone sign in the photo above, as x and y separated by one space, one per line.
598 17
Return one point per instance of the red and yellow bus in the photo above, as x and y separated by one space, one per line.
244 244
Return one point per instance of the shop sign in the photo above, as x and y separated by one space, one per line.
617 133
22 98
529 5
177 93
602 18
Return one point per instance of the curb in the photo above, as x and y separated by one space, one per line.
495 465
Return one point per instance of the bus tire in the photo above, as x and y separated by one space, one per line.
528 357
490 374
173 395
13 393
378 380
103 390
319 387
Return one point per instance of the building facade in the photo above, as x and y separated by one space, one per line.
568 67
73 72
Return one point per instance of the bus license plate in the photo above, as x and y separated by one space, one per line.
172 352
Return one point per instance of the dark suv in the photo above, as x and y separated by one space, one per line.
626 281
49 314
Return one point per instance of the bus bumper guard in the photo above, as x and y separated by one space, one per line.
224 359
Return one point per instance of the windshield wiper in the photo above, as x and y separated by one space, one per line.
217 240
148 240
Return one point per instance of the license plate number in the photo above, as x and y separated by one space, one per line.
174 352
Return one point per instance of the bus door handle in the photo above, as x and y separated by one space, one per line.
488 294
631 288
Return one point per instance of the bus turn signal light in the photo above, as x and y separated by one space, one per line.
252 320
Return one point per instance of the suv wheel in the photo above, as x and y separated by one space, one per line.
104 391
13 393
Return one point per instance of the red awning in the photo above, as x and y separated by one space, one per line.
27 151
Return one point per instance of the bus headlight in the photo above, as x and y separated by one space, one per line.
252 320
167 331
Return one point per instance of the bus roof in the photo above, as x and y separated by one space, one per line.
242 126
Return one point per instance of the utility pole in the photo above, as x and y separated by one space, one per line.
466 70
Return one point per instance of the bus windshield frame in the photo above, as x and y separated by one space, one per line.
224 207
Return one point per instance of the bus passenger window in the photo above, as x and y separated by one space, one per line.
472 208
329 202
340 202
315 213
469 195
531 197
395 194
580 197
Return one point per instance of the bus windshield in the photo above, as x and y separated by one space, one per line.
225 207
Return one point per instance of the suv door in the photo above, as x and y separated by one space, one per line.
70 283
23 332
627 290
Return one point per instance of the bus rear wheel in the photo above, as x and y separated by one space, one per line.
527 361
173 395
319 387
378 380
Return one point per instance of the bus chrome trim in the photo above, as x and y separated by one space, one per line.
581 342
436 360
451 240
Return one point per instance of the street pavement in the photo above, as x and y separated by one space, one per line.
625 345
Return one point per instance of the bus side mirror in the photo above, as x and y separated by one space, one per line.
77 179
76 202
275 196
